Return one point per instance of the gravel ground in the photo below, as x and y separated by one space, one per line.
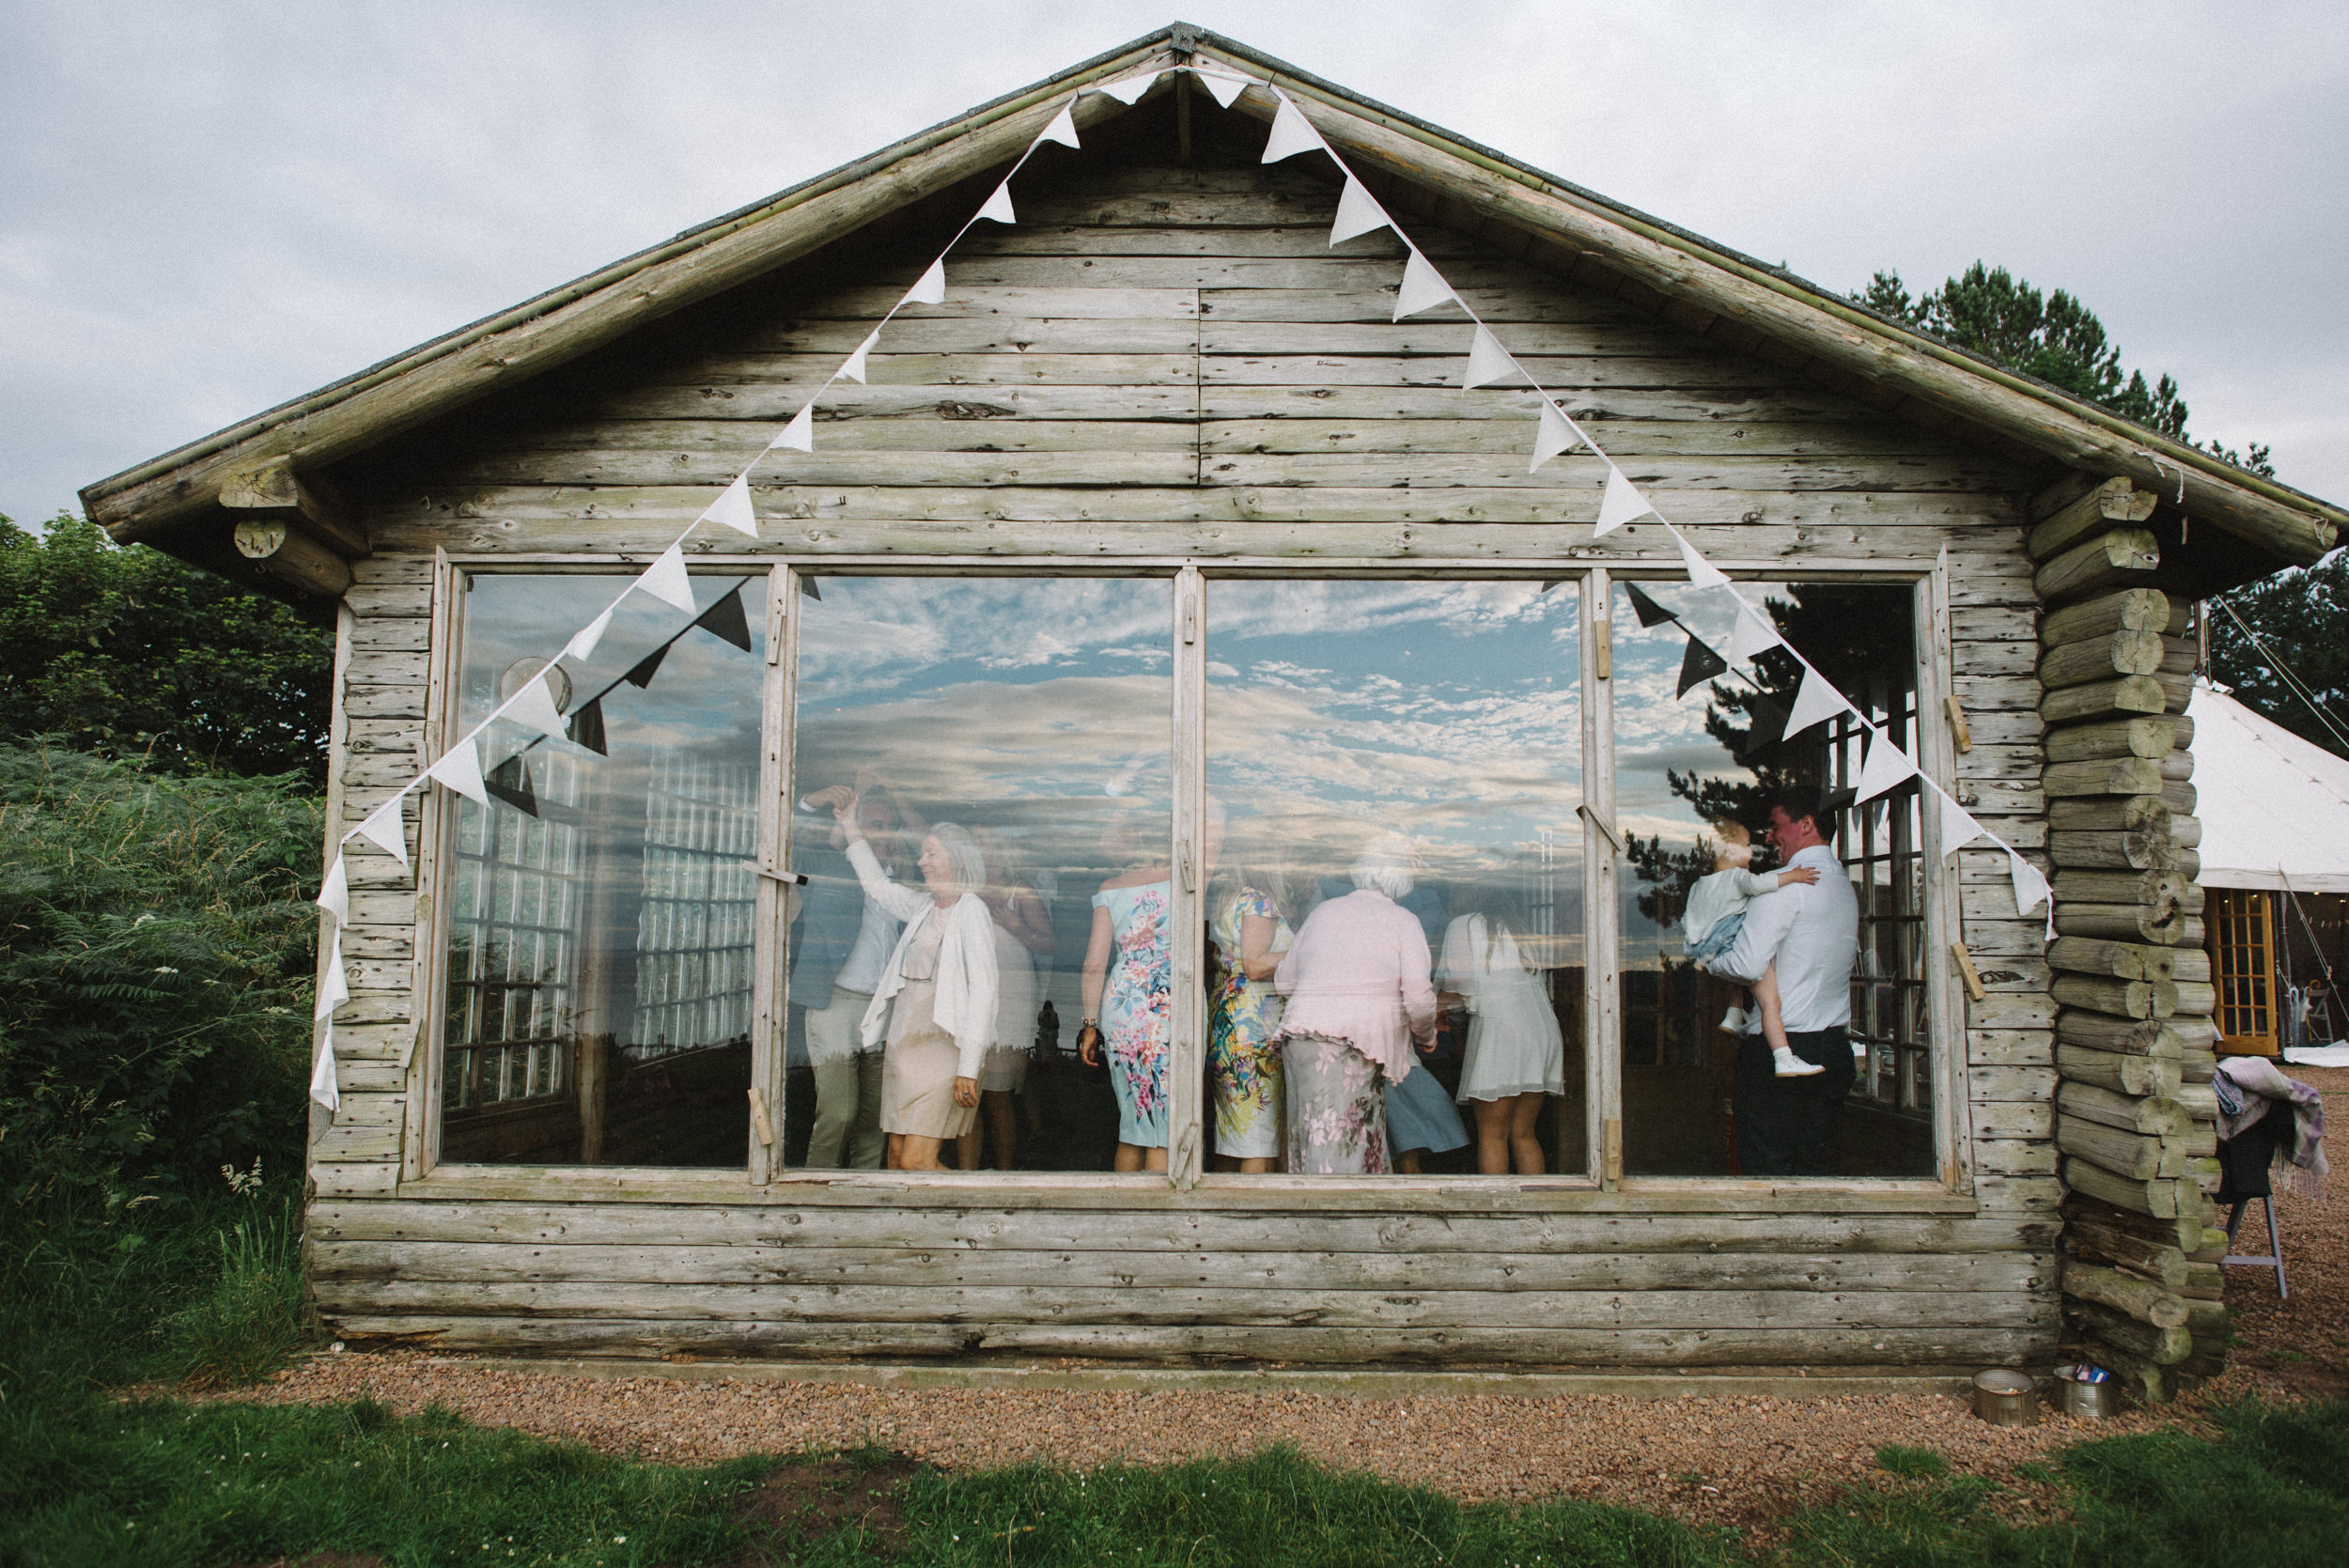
1717 1461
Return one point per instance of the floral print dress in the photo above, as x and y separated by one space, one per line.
1135 1008
1243 1059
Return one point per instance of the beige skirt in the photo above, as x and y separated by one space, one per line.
918 1087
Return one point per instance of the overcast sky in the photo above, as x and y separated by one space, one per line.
206 208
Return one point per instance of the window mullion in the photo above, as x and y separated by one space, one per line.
1187 1014
1602 989
769 954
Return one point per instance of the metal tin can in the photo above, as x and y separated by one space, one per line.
2004 1397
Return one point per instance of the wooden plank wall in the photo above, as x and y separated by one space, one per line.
1168 361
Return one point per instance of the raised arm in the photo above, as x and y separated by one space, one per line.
1767 921
905 902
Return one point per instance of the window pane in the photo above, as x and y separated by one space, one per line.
1023 725
598 976
1339 715
1694 775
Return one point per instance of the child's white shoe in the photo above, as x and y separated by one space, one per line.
1791 1066
1734 1021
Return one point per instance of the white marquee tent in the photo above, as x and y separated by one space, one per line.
2275 808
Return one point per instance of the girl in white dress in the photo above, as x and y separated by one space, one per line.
1516 1052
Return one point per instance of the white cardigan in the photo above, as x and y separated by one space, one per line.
967 978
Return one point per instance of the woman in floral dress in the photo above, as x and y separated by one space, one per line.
1128 988
1251 932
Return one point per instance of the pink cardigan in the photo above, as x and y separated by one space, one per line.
1359 973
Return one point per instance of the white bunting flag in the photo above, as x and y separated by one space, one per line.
334 897
733 508
1489 361
461 769
333 985
998 207
533 707
2030 886
1622 503
1702 572
1224 89
323 1088
1751 633
1552 434
387 830
665 579
1818 700
931 287
1424 289
584 640
1358 212
798 436
1292 133
853 367
1062 130
1129 89
1958 826
1886 767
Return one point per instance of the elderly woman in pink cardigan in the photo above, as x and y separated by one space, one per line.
1358 989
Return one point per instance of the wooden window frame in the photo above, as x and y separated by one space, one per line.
1601 1185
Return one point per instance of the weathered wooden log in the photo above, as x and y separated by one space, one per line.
2163 1346
2201 1282
2108 850
2098 1031
2117 1073
2130 610
2155 888
2118 652
2143 1381
2115 503
2134 813
2177 768
2138 1299
2179 657
2185 1233
2165 1265
2205 1319
2123 1153
273 492
2103 776
2156 1197
2199 1102
2103 699
2130 998
2137 1114
2195 999
2118 559
287 553
2155 738
2188 965
2179 796
2197 1066
2130 922
2120 960
2195 1140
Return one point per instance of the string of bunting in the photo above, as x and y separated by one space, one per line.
535 708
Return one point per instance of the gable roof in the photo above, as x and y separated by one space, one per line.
1744 304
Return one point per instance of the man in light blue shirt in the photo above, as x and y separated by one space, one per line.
1787 1127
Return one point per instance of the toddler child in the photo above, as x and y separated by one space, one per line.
1716 912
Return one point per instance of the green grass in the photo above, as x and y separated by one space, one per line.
1917 1463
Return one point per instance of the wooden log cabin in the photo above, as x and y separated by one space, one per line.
1161 542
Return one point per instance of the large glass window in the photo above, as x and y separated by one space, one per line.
600 908
1009 738
1421 741
1699 758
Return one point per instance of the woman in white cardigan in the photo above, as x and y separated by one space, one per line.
936 1002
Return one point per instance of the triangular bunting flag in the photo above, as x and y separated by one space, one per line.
1224 90
1699 665
647 667
586 728
998 207
1751 633
2030 886
1358 212
509 781
800 435
666 581
1702 572
1062 130
1767 728
728 619
1489 361
853 367
583 643
387 830
733 508
334 985
1816 700
1958 826
1552 434
1130 89
931 287
533 707
1622 503
1886 767
1424 289
1292 133
461 771
323 1088
335 896
1649 612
